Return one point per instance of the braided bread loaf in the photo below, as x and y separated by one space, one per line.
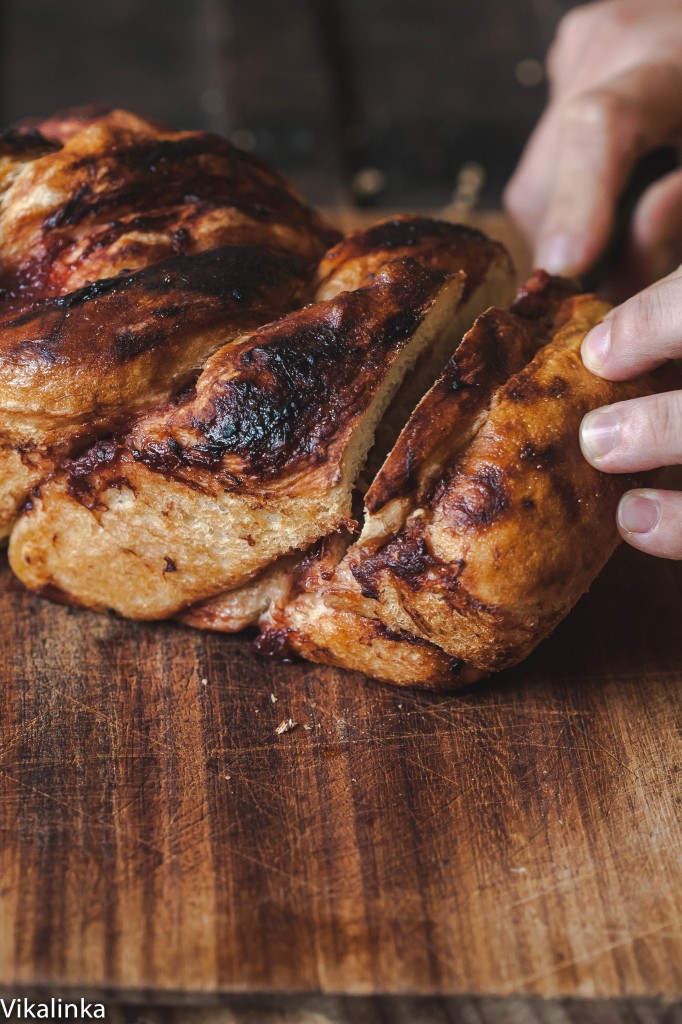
194 389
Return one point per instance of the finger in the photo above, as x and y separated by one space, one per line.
603 133
654 247
528 191
578 58
652 521
642 333
628 437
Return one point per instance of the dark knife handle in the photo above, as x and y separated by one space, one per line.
649 169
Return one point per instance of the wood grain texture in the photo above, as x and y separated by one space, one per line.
523 837
158 835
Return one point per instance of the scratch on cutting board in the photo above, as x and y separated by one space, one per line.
558 886
590 740
63 803
581 961
117 725
293 881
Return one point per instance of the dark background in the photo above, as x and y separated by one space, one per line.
372 101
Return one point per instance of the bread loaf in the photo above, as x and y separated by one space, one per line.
213 408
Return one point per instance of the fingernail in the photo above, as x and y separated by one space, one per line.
600 433
595 347
638 513
559 254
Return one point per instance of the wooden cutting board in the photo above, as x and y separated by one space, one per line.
158 833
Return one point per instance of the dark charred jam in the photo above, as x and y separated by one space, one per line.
27 142
130 180
479 499
284 396
438 244
408 232
237 286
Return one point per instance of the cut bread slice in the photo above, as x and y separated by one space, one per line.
301 621
260 459
328 614
518 527
499 344
438 245
244 606
486 532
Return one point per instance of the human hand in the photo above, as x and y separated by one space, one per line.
615 72
644 433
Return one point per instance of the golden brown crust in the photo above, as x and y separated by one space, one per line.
279 404
301 620
64 124
124 342
128 254
17 148
436 244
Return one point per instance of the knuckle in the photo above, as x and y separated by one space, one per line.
651 311
598 111
556 59
579 24
603 17
640 320
573 26
567 39
664 423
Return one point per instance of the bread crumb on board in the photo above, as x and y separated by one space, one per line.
286 726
